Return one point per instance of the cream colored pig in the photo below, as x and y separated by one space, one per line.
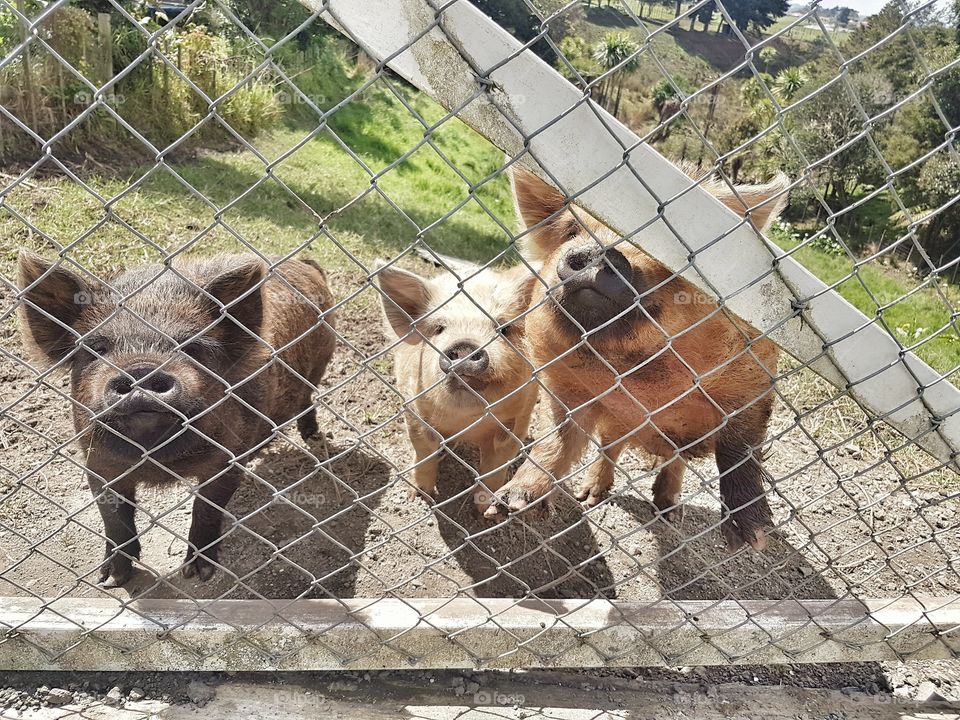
460 365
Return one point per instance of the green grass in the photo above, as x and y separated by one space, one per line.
324 182
923 318
159 215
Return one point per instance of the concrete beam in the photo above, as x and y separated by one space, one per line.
101 634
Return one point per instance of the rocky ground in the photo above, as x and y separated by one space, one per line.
824 692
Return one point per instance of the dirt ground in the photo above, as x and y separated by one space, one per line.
856 516
333 518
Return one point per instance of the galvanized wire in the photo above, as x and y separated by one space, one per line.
735 581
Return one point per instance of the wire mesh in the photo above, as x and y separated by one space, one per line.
333 416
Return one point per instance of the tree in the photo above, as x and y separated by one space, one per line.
947 89
760 14
617 56
767 57
271 19
890 51
937 185
956 19
704 15
826 121
662 91
525 25
843 16
577 53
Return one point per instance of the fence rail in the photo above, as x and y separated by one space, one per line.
624 329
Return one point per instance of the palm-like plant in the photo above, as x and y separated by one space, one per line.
788 82
618 55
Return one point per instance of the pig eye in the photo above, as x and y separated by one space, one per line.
436 330
97 345
195 350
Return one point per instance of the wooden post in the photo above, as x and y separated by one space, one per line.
105 54
28 87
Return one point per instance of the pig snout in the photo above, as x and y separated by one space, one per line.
154 384
596 284
142 403
594 267
464 358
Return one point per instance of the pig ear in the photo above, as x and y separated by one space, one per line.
764 202
53 298
541 207
406 298
242 281
523 280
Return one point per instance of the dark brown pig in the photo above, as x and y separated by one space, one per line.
173 375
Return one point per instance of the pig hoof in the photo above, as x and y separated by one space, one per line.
483 500
428 496
307 425
199 567
114 578
582 492
590 495
746 525
510 500
670 511
737 536
116 569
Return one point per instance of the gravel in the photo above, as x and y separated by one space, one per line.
919 682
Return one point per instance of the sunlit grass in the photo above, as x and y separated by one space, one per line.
922 318
390 194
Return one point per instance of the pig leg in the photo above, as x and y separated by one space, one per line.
745 508
666 490
521 425
206 526
495 455
548 462
116 505
307 423
599 478
426 447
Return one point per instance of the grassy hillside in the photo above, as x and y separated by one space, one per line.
365 185
318 181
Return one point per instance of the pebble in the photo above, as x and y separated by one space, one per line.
927 692
114 698
199 693
58 696
137 694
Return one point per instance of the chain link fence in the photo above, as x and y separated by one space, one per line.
451 367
